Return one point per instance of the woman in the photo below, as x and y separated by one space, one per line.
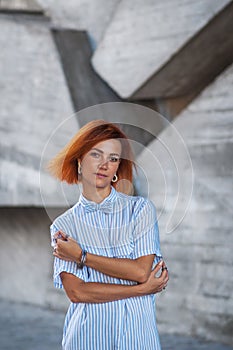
106 247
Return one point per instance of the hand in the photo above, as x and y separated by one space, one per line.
66 247
157 284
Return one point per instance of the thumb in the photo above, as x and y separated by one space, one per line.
60 235
158 266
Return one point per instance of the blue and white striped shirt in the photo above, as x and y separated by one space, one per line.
121 226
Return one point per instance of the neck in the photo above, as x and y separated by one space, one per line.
96 194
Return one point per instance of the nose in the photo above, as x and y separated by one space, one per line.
103 164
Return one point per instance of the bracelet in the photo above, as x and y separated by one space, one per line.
83 259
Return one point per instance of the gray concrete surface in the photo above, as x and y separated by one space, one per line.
26 261
20 6
140 40
27 327
85 85
34 100
196 237
81 15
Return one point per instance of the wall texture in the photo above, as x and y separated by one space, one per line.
81 15
34 100
140 40
199 298
26 258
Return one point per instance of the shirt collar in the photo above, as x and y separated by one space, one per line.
107 201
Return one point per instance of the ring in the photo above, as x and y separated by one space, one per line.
164 268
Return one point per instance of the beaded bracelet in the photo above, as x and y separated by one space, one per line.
83 259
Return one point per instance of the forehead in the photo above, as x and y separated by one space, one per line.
109 146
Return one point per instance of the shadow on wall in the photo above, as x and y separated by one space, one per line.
26 257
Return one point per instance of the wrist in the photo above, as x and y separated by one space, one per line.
141 290
82 259
78 257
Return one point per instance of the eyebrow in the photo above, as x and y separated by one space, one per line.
99 150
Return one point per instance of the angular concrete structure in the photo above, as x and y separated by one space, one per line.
34 100
165 49
86 87
87 15
21 6
198 250
195 213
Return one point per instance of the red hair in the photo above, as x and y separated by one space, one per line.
64 165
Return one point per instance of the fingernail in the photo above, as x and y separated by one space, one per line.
161 262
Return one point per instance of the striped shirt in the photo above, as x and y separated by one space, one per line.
121 226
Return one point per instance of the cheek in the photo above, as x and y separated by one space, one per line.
114 168
89 165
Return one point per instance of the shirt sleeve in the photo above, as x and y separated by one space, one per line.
146 233
64 266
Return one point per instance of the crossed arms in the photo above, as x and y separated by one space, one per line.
138 270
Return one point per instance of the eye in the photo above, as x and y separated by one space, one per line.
114 159
95 155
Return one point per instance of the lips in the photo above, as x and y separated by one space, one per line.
101 175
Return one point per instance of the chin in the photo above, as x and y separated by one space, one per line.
102 184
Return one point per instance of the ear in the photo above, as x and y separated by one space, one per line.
79 166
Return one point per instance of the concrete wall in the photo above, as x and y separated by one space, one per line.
198 251
140 40
34 100
81 15
26 258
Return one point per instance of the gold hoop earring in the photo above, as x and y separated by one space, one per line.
115 178
79 169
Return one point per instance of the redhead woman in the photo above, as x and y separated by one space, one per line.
106 247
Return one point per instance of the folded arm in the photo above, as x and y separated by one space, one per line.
79 291
137 270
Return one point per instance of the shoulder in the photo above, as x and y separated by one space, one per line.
139 204
64 218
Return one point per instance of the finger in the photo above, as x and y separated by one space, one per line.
164 267
160 290
156 270
57 255
67 236
165 281
58 234
163 277
164 273
165 284
60 256
61 235
61 243
158 266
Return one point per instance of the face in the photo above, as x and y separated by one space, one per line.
100 164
